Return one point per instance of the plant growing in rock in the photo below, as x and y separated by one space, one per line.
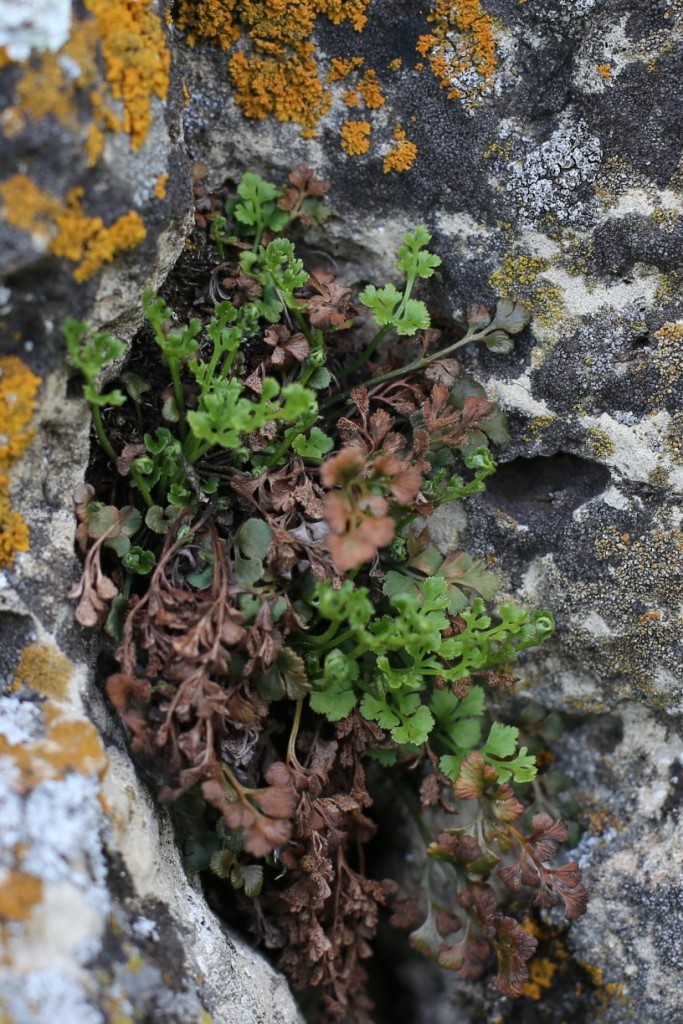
283 620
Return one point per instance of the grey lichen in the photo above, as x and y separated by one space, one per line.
547 180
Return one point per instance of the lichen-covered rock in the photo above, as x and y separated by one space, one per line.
100 923
94 188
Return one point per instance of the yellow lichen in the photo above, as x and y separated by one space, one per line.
601 444
65 229
395 64
541 974
369 89
519 277
69 745
668 356
44 669
402 155
160 186
289 89
18 389
355 137
19 893
461 49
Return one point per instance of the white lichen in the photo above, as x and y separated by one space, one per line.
547 180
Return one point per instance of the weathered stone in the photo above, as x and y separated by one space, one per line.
554 177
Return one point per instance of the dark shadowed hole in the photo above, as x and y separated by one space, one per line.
546 486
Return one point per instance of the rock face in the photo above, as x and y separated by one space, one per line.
541 144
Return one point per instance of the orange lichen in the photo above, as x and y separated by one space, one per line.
351 98
340 67
395 64
70 745
461 49
160 186
44 669
355 137
19 893
18 389
210 21
129 35
136 58
605 70
280 76
290 89
65 229
402 155
369 89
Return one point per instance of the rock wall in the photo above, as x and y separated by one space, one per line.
540 141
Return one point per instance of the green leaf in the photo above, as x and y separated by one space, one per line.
414 318
116 617
499 342
315 446
465 734
160 520
412 259
320 378
286 677
522 768
139 560
450 766
336 702
502 740
254 538
511 317
464 571
379 711
252 877
382 301
397 583
386 758
415 728
135 385
246 571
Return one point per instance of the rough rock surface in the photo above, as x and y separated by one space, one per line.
554 176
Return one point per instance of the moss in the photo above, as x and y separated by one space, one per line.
402 154
64 227
18 389
355 137
464 66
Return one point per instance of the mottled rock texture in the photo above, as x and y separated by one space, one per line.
552 174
